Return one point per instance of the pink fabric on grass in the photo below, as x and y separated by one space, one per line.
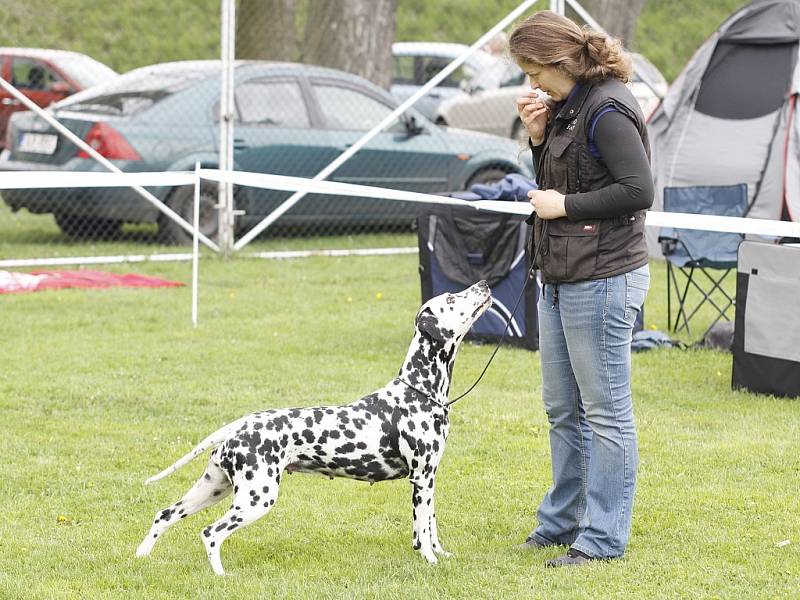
35 281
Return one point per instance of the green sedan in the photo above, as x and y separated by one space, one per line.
290 119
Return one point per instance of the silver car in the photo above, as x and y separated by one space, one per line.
416 63
494 110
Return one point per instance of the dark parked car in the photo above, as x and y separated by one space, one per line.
45 76
291 119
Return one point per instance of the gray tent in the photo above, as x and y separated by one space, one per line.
729 117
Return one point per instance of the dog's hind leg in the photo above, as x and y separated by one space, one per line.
212 487
251 501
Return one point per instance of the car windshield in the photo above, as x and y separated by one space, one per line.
132 93
85 70
499 73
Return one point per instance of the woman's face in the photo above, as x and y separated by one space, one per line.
548 79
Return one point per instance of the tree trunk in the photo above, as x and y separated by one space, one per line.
352 35
617 17
265 30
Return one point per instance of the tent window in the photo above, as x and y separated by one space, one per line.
746 81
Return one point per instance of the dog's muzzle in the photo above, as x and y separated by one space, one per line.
482 287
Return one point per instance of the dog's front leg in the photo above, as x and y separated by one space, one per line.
435 544
422 511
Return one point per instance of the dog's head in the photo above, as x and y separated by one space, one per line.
448 317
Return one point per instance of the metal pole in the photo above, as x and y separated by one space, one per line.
229 208
225 192
195 245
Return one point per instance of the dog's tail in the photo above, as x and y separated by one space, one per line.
214 439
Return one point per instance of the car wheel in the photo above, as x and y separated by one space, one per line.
489 175
87 228
181 200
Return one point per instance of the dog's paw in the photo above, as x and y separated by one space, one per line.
144 548
443 552
430 557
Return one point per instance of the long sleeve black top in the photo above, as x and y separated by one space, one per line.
620 148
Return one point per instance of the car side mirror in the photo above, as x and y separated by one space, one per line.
412 127
61 87
465 86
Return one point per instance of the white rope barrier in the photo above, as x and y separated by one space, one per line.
288 254
93 260
388 120
58 179
26 180
763 227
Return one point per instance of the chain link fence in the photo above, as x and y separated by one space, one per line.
287 118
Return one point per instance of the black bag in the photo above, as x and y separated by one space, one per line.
460 246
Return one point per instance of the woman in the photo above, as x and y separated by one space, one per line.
593 169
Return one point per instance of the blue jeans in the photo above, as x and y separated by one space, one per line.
585 346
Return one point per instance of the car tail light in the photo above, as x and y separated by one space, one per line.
109 143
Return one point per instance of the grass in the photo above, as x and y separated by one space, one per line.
102 388
24 235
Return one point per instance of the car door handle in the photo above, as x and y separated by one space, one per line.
10 102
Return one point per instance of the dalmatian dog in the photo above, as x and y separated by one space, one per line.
396 432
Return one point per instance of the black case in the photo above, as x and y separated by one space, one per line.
460 246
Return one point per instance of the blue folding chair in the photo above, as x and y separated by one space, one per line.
693 255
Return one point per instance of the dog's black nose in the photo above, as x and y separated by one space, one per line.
483 285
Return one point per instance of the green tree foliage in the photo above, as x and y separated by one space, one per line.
462 21
670 31
124 35
133 33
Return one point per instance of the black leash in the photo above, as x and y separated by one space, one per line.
529 277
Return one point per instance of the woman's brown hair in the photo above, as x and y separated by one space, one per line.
546 38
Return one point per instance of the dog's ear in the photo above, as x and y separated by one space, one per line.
428 325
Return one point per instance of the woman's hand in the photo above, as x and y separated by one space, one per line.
534 114
548 204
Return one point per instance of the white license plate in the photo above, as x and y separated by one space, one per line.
38 143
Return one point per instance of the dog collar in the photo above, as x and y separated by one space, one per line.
421 393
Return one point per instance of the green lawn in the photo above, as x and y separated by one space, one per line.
102 388
27 236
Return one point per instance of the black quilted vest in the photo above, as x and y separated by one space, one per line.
591 249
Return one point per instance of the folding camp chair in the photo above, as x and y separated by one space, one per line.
693 255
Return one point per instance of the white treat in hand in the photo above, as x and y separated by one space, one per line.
545 98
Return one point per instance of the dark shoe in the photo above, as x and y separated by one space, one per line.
531 543
572 557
